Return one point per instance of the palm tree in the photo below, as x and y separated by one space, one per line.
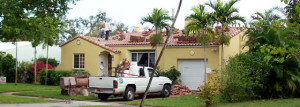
200 24
224 13
160 55
261 32
159 18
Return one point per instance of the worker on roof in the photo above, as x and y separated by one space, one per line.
101 31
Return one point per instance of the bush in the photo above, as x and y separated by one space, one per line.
8 68
173 74
209 90
54 76
1 71
51 61
244 77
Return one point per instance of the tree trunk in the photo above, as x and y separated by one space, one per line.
16 75
222 61
160 55
205 63
35 65
204 47
47 65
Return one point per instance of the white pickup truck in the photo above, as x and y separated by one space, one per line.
130 85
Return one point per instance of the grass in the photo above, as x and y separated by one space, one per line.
192 101
292 102
96 106
182 101
20 100
11 87
55 94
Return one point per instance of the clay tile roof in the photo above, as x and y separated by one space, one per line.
94 40
117 40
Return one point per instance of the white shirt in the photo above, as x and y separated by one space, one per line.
107 26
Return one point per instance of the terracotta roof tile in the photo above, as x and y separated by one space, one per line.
173 40
94 40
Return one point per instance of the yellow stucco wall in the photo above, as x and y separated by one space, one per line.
169 59
235 47
173 54
91 52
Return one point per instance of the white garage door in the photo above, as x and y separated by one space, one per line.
192 73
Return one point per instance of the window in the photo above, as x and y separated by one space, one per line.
78 61
143 58
150 73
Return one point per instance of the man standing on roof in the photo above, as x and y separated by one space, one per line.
107 30
101 31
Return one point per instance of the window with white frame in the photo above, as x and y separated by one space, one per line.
143 58
78 61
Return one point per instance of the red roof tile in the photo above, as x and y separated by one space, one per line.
173 40
94 40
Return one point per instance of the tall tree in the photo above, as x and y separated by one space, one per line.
225 14
200 24
92 21
160 55
17 16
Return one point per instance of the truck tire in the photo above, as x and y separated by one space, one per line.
166 91
129 94
103 97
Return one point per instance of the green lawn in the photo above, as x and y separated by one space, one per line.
96 106
20 100
192 101
11 87
55 94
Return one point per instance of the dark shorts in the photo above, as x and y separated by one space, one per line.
24 79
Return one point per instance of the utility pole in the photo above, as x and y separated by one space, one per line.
16 75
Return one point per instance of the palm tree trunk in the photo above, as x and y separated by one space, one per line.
16 75
160 55
35 65
47 65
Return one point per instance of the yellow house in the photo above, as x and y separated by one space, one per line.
99 57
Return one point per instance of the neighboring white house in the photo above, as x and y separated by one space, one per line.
26 51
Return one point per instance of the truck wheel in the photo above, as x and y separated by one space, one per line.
103 97
129 94
166 91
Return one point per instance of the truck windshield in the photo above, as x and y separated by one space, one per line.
150 73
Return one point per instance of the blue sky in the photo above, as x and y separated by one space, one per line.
131 11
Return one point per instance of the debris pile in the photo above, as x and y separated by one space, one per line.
181 90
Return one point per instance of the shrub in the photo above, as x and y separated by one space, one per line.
209 90
51 61
54 76
1 71
173 74
8 67
244 77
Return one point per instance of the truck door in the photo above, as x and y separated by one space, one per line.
142 82
155 85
